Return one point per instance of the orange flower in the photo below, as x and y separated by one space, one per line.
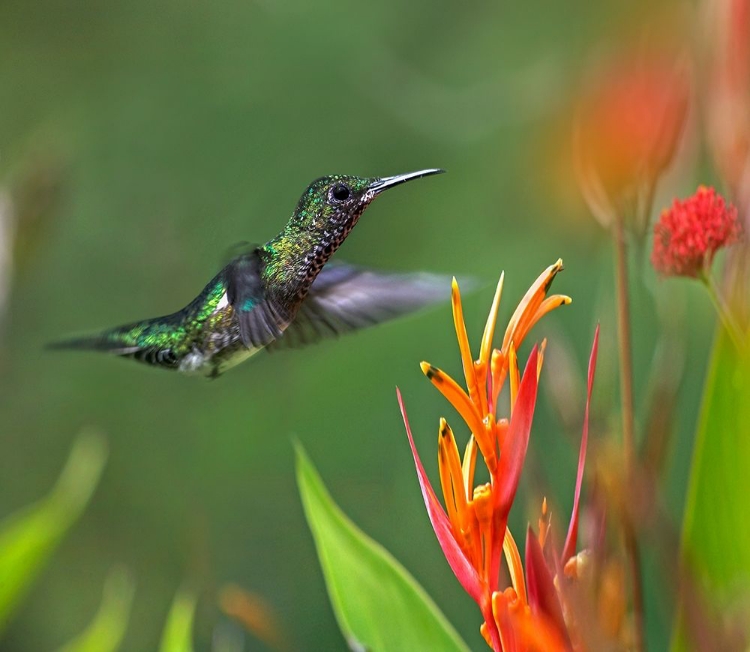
728 97
472 529
626 133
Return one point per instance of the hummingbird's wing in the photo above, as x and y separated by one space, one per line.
344 298
261 320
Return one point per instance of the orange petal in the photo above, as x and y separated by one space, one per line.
464 406
489 327
518 326
463 343
544 523
469 464
499 371
483 509
515 376
501 430
515 567
446 484
549 304
450 465
542 349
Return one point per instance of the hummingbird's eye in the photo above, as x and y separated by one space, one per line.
340 192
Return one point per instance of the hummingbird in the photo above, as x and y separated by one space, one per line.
280 294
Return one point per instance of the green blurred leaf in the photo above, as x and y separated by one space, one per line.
106 631
716 538
378 605
178 630
29 537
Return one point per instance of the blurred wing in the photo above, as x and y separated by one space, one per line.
344 298
260 320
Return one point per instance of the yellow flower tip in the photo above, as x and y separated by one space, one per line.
433 373
515 566
444 428
552 271
482 503
484 631
485 351
578 566
544 506
455 292
565 300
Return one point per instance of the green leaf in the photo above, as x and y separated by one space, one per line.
378 605
106 631
178 630
29 537
716 535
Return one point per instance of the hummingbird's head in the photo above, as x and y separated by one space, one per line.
325 214
333 204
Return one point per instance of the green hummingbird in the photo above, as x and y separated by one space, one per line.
279 294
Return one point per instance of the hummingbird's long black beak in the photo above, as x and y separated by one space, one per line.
389 182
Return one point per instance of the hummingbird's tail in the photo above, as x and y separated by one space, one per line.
96 342
143 341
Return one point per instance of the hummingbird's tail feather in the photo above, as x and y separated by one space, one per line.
139 341
96 342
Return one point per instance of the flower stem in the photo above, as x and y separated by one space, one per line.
623 342
722 309
628 420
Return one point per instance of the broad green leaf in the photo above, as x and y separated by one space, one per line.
716 533
106 631
29 537
178 630
378 605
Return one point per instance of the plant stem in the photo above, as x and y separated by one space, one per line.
722 309
623 342
628 420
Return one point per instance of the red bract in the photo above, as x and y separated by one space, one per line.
691 231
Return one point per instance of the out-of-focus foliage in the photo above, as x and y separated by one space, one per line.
107 629
716 531
378 605
178 630
29 537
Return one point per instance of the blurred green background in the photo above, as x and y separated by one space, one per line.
173 130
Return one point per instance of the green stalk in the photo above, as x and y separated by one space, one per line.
722 309
628 419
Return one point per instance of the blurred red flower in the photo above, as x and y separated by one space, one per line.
627 130
728 97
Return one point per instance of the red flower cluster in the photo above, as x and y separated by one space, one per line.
691 231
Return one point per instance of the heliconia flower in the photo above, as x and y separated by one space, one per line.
472 528
628 126
691 231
